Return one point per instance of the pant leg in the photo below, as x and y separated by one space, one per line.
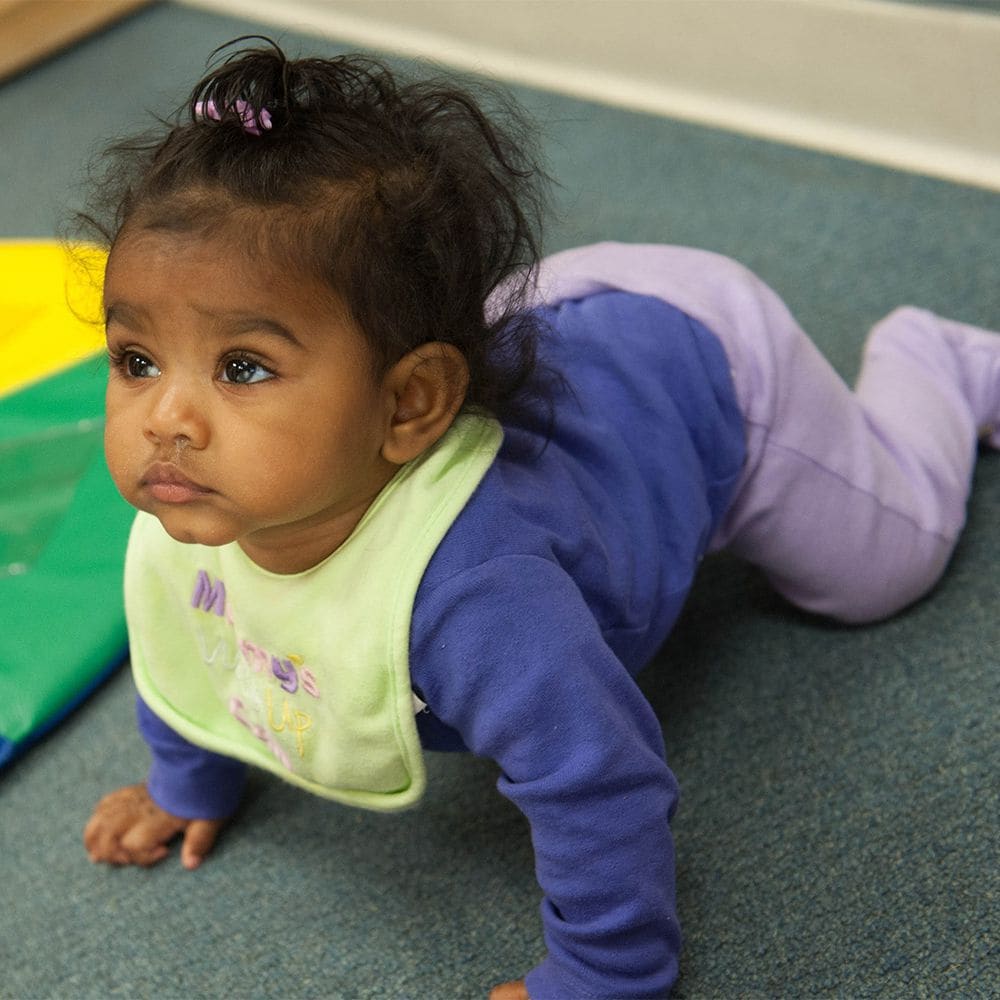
851 502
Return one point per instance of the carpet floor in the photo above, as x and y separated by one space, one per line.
838 830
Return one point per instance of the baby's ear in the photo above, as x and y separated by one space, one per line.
429 386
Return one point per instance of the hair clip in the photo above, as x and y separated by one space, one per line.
253 121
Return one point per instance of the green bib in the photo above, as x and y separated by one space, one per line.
305 675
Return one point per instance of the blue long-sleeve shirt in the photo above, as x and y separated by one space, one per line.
555 585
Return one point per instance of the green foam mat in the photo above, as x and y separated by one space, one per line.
63 531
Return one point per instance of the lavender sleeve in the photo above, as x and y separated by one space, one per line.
184 779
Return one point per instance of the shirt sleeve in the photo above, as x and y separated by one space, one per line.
184 779
510 655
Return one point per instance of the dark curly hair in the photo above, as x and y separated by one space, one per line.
421 212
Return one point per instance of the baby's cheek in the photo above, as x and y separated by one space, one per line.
122 457
115 451
113 454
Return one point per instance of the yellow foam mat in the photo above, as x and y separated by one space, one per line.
52 309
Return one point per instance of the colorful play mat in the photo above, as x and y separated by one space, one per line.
63 526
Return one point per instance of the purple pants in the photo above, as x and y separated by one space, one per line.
850 501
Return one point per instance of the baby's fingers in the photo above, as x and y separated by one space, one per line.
101 842
127 827
199 839
147 841
104 829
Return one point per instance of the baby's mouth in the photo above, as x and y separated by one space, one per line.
166 483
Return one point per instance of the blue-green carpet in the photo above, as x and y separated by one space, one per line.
838 831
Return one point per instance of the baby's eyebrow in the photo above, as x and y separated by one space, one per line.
237 324
126 315
228 325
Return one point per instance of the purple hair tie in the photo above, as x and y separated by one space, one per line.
253 121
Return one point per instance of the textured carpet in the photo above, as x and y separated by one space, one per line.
838 831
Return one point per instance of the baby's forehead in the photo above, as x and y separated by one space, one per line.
279 237
215 272
254 223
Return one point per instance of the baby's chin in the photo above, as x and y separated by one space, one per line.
193 531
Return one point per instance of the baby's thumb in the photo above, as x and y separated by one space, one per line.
199 839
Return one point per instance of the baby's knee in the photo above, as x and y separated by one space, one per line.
902 325
883 580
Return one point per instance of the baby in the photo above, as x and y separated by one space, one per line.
402 485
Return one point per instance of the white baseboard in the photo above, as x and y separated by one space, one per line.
910 86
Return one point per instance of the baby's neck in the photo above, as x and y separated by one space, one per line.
295 548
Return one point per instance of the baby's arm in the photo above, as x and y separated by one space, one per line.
129 828
189 791
527 680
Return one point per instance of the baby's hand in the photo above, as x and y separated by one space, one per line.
515 990
129 828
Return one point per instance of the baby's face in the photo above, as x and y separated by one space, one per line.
241 405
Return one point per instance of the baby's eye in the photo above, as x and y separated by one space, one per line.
245 371
136 365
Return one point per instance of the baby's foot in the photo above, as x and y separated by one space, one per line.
990 435
979 354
